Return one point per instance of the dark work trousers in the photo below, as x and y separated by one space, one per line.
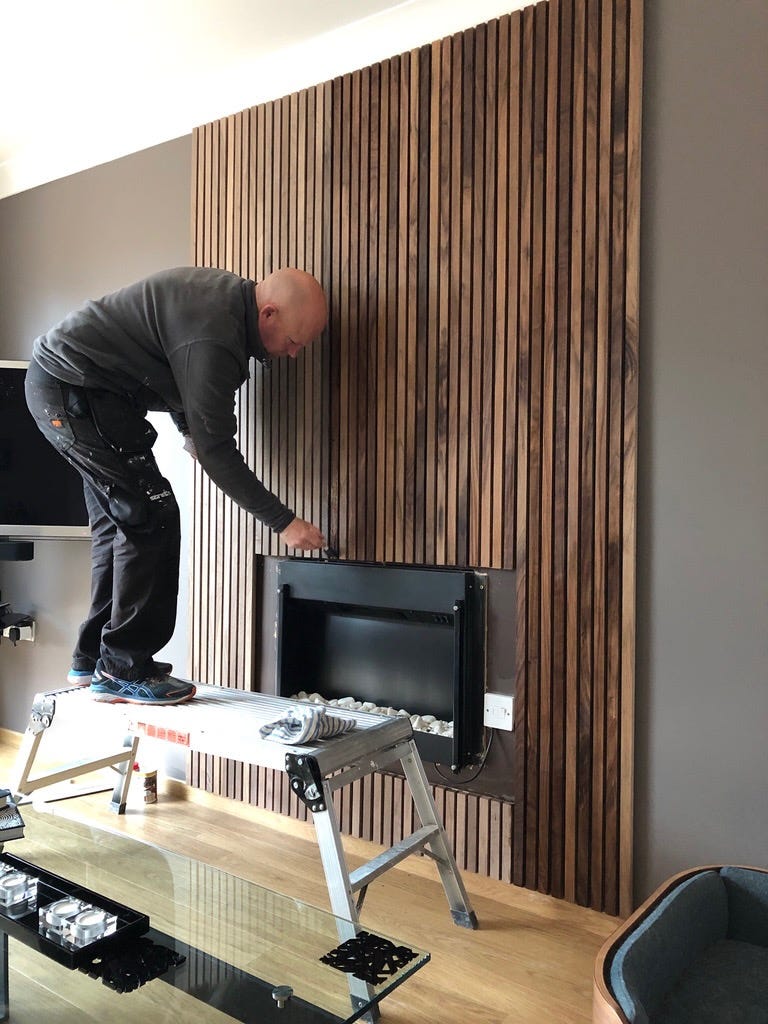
135 530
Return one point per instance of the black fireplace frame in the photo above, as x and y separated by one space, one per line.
443 610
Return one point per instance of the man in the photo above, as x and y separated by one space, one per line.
178 341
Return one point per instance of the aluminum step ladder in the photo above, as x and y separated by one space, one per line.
225 722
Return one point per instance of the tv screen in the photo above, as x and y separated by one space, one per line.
41 495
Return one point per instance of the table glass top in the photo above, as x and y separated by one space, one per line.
241 941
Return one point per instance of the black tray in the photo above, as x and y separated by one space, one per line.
24 926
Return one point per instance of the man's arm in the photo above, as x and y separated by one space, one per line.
208 377
180 422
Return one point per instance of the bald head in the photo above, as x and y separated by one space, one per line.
292 311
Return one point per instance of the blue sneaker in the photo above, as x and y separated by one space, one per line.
157 690
84 677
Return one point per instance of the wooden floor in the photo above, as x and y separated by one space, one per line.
530 961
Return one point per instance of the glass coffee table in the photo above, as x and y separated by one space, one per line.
215 948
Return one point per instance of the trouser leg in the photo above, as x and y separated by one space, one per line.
146 573
103 533
108 440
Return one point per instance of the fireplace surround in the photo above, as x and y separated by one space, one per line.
409 638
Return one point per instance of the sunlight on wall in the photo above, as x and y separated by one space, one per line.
105 99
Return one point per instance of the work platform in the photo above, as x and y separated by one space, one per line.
226 722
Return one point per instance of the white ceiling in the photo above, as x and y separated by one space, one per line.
86 81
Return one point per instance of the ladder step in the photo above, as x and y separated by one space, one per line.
365 874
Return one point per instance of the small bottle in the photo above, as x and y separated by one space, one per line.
148 779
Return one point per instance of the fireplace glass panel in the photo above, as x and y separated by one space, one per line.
399 637
372 656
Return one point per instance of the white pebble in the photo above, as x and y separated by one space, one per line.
419 723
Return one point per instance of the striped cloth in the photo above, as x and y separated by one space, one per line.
305 724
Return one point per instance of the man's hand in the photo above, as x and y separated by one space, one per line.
303 535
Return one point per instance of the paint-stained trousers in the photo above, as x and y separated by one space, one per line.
134 517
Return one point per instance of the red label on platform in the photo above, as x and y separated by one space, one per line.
156 732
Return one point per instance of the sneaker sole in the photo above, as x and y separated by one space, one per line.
79 680
111 698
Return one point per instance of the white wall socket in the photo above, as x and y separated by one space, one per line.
499 711
25 632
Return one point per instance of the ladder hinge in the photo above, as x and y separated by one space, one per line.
43 709
306 781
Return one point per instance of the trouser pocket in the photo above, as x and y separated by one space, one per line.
120 423
47 401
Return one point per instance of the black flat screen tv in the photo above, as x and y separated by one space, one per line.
41 495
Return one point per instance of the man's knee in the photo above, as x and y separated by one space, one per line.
149 506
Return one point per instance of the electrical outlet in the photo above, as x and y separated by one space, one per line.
19 632
499 711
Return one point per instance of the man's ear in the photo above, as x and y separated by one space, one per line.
268 310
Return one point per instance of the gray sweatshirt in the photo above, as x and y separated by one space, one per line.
178 341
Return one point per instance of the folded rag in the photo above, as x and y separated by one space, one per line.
304 724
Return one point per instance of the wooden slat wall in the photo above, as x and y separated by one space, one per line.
472 210
379 808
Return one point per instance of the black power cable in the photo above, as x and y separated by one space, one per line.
453 779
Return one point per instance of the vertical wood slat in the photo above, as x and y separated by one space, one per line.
573 327
563 781
629 467
602 189
524 652
472 209
547 810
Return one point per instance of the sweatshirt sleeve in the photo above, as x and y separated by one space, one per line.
180 422
208 377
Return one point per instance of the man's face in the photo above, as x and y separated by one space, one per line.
284 333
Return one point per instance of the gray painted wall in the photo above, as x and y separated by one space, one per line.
702 569
78 238
702 694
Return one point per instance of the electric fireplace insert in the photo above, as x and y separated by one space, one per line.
395 639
